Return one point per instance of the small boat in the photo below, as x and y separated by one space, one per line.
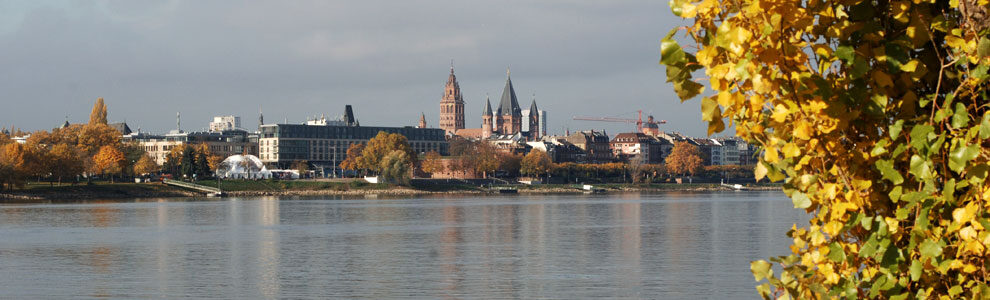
506 190
590 189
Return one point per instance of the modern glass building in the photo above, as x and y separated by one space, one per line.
324 147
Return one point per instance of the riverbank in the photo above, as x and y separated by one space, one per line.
245 188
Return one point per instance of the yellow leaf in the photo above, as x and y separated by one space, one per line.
760 171
790 150
967 233
725 99
802 130
770 155
910 66
964 214
780 113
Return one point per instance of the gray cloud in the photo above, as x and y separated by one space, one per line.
389 59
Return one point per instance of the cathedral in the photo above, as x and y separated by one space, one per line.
506 120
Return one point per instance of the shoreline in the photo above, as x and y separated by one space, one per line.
157 190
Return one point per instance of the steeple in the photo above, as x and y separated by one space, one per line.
486 119
261 117
509 105
488 107
451 104
422 120
534 120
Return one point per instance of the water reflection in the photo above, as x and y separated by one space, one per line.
668 245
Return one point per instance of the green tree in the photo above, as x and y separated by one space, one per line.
302 167
187 164
876 115
395 167
535 163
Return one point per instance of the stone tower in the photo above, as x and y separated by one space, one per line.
452 105
486 120
534 121
422 121
509 114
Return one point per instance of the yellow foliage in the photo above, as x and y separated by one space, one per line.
877 115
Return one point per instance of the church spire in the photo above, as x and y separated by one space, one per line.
451 104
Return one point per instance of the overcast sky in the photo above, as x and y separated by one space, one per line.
293 59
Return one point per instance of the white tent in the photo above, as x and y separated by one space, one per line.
243 167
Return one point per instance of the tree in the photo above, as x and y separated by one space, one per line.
350 162
109 161
484 159
187 165
433 163
99 114
173 160
395 167
685 158
145 165
510 163
535 163
381 145
302 167
875 114
64 161
19 163
95 136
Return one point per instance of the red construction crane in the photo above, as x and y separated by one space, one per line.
650 126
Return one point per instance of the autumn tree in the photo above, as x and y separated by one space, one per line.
395 167
92 137
684 158
381 145
108 161
535 163
484 158
876 115
432 163
19 163
173 160
99 113
302 167
64 161
145 165
353 155
510 163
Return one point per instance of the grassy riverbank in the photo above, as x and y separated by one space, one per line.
43 191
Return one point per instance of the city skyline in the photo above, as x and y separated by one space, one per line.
151 60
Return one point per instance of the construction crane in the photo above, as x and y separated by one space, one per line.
650 126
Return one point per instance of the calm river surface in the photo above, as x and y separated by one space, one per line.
674 245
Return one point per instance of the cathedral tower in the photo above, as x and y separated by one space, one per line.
509 114
451 105
486 120
534 121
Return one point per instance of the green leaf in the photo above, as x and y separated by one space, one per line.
920 167
687 89
962 155
835 253
800 200
895 129
961 117
675 7
916 268
671 53
859 67
895 194
931 249
983 48
985 126
887 171
845 53
761 269
920 137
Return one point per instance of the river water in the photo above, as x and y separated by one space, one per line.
675 245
